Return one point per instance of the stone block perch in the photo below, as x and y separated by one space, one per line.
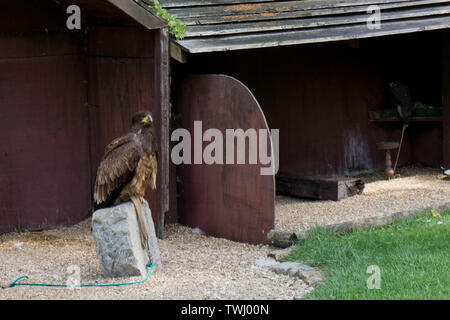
118 243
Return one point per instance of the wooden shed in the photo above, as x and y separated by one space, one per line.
315 69
66 93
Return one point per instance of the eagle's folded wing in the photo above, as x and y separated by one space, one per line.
117 166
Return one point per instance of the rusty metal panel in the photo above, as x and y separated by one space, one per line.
233 201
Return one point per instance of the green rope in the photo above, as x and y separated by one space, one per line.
16 283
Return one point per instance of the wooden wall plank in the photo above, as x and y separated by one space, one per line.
44 176
17 46
118 88
116 41
31 16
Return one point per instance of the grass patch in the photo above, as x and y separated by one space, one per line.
412 256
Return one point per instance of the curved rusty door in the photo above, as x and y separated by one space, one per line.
233 201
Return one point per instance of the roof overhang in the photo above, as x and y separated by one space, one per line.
123 12
222 25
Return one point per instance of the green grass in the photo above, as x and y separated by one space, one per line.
412 256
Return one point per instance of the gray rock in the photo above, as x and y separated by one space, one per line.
294 269
118 244
279 254
289 268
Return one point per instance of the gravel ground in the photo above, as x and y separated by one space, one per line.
200 267
194 267
413 188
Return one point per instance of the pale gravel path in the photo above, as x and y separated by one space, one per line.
194 267
413 188
201 267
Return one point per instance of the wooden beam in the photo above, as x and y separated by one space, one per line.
303 36
177 52
316 187
163 85
141 15
446 99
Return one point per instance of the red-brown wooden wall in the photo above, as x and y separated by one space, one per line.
319 96
233 201
63 96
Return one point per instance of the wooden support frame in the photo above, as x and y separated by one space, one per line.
446 99
163 87
177 52
139 14
316 187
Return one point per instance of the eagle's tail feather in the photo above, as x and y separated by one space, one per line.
143 230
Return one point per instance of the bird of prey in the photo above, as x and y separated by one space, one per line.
401 98
128 167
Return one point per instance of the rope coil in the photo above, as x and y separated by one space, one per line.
17 283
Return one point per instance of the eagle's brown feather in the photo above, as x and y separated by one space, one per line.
128 167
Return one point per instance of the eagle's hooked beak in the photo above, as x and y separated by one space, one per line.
147 119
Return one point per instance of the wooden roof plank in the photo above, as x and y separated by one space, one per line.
301 13
139 14
274 7
307 4
262 40
194 3
279 25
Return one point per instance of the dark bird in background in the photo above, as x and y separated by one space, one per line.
401 98
129 165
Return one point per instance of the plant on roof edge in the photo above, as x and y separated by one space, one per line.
176 28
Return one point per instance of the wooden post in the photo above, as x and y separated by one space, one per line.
162 86
446 100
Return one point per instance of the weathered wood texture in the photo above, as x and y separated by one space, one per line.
63 96
319 96
319 188
44 161
123 79
446 99
117 12
162 88
224 25
233 201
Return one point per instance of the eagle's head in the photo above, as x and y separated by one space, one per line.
142 119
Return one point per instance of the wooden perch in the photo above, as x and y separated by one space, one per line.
317 187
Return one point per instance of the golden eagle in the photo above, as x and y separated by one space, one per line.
129 165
